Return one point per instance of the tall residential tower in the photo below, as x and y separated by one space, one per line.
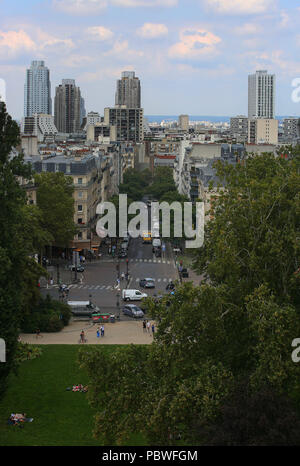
261 95
128 90
37 90
67 107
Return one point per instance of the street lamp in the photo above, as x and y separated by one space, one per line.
127 271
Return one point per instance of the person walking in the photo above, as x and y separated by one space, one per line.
144 326
102 330
148 326
82 339
153 330
98 332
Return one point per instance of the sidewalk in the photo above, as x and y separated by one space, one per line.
118 333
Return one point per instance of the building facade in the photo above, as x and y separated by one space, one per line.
67 107
37 90
239 128
128 90
263 131
40 125
261 95
128 123
183 122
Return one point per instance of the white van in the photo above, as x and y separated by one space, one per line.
133 295
79 308
156 243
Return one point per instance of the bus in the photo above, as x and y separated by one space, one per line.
147 238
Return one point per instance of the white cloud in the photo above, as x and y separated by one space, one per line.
237 7
74 60
152 30
80 7
122 51
248 29
100 33
145 3
13 42
194 44
284 19
46 41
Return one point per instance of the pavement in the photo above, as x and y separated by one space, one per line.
118 333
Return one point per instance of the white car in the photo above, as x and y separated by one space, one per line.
133 295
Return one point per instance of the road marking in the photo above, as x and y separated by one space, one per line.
165 279
159 280
96 288
102 287
163 262
91 286
150 260
80 287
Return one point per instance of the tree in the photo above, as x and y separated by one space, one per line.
252 418
253 238
15 261
239 326
56 204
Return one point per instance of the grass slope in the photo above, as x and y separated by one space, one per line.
61 418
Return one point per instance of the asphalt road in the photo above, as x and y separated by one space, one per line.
99 278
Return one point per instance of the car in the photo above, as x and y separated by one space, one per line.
133 311
79 268
133 295
147 283
122 253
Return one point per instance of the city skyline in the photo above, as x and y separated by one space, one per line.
192 57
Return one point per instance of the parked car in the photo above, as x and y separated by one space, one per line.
79 268
185 273
133 311
147 283
133 295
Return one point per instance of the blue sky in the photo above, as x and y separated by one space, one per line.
192 56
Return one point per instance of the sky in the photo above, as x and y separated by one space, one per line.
192 56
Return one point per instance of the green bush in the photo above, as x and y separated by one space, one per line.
25 351
49 316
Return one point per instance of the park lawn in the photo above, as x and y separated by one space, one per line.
61 417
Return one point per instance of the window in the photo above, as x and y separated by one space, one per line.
79 208
80 194
80 220
79 181
80 235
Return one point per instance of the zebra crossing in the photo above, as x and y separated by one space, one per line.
80 286
153 261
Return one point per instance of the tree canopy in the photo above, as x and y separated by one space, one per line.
223 348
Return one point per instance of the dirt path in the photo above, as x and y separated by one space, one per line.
119 333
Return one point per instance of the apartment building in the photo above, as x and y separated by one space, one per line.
127 121
263 131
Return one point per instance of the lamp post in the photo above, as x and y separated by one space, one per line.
127 271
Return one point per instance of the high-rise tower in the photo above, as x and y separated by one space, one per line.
261 95
67 107
37 89
128 90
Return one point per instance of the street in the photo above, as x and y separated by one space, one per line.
99 280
